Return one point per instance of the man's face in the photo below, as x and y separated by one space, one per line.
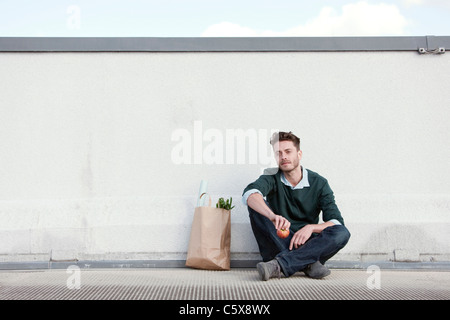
287 155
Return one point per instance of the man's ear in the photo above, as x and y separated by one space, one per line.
300 154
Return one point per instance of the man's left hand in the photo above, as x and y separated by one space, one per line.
301 236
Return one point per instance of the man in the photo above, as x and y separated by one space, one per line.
295 197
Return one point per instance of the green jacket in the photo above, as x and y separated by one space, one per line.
301 204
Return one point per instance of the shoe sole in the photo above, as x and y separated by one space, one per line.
320 276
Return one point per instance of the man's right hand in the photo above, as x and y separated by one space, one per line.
257 203
280 222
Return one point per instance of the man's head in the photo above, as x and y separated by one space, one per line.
286 147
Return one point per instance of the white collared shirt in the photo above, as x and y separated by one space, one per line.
304 183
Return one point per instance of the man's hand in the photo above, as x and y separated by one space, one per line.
301 236
257 203
280 222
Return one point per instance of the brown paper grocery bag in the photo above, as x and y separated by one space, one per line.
209 243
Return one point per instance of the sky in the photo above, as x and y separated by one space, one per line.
223 18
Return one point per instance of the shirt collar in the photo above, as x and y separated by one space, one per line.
304 183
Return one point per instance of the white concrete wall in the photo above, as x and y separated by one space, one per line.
88 166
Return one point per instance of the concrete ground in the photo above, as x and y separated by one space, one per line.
74 283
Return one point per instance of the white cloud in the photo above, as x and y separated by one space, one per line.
412 2
355 19
430 3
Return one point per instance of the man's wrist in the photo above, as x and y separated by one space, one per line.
272 216
317 228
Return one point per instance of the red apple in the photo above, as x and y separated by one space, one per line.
283 233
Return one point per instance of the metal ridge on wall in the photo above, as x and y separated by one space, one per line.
422 44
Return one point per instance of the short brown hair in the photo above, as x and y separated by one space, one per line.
285 136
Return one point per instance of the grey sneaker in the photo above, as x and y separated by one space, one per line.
270 269
316 270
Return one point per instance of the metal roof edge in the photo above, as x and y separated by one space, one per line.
209 44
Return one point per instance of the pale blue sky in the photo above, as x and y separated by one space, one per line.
196 18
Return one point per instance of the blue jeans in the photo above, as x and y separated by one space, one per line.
319 247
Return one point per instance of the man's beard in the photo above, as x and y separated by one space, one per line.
294 164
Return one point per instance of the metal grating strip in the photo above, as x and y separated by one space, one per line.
237 284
